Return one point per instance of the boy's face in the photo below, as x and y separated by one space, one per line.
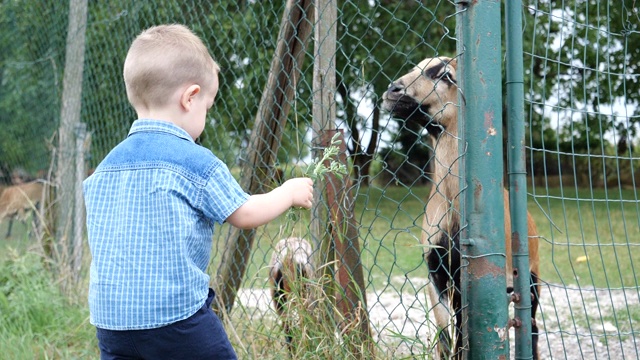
203 101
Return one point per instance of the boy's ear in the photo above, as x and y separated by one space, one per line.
188 95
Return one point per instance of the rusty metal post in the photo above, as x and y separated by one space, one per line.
351 300
483 238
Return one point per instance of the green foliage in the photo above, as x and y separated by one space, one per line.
580 65
241 36
243 43
31 63
377 42
575 71
105 108
318 167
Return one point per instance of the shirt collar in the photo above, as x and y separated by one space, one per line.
151 125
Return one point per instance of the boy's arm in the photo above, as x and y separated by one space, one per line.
262 208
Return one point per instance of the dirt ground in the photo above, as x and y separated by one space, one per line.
575 323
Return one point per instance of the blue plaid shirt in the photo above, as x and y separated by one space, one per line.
151 208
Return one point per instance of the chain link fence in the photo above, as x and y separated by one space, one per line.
582 90
583 115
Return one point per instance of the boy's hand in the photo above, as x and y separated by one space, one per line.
301 191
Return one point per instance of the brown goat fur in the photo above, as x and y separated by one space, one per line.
290 271
17 200
427 97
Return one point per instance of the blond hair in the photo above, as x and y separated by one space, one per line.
163 58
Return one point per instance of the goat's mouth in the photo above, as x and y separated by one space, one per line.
402 106
392 101
408 109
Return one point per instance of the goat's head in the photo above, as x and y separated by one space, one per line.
427 96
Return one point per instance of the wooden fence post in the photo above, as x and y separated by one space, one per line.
69 118
339 241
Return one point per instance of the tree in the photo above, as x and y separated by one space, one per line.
579 54
31 58
379 40
581 63
241 36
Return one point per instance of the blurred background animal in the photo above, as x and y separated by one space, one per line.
19 201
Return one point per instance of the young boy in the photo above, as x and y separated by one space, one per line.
152 204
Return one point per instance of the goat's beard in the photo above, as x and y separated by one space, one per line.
407 109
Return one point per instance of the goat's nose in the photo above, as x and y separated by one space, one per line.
395 87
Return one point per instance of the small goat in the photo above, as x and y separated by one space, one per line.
291 269
17 200
428 97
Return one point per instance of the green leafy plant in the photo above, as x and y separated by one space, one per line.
317 169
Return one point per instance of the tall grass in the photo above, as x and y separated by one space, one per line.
37 321
317 328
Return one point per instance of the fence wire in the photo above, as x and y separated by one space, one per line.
582 100
582 92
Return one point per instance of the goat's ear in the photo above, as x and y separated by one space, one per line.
453 63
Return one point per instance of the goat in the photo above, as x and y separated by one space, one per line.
427 97
17 200
291 269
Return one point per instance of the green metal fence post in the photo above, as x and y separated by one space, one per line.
480 123
518 179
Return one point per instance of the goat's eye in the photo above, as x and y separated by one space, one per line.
448 78
435 72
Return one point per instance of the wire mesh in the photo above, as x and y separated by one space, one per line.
581 90
583 123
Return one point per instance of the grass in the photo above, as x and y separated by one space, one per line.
586 241
37 321
390 220
571 225
19 239
590 237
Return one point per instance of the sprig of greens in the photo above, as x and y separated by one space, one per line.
317 169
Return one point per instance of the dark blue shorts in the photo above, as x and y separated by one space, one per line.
200 336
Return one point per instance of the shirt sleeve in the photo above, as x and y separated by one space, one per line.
222 194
